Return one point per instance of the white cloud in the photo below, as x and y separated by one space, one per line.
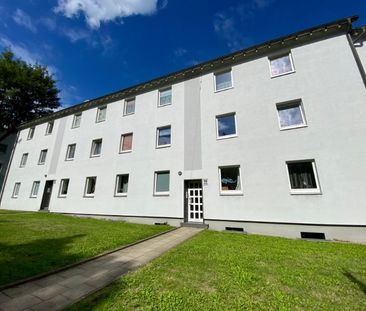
23 19
76 34
49 23
20 51
179 52
98 11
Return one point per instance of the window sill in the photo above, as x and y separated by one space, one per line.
226 137
120 195
47 134
283 74
14 197
72 159
293 127
231 193
23 166
88 195
305 191
224 89
95 156
100 121
125 151
160 106
62 196
42 163
33 197
75 127
128 114
163 146
161 194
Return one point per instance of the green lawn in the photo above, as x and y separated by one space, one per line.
32 243
228 271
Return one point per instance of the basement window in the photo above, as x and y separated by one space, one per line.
313 235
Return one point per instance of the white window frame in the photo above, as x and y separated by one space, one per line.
161 193
40 157
316 190
157 136
121 143
34 195
121 194
87 180
291 103
274 57
60 195
31 133
217 126
67 158
92 155
221 72
162 90
49 128
98 120
24 156
16 189
125 106
74 125
231 192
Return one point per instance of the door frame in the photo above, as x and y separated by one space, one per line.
42 207
185 196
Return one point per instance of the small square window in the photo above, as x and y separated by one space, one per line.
3 148
35 189
165 97
291 115
101 114
162 181
230 180
223 80
49 128
24 159
30 133
42 157
126 142
16 190
121 185
226 126
76 121
90 184
281 65
70 152
64 186
129 106
163 136
96 148
303 177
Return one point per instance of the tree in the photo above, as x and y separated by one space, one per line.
26 92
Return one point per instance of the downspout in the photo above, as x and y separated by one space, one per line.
8 168
357 59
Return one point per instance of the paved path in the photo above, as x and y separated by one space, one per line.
56 291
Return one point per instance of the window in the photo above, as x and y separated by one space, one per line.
281 65
35 189
121 185
165 97
3 148
70 152
303 177
76 121
162 180
42 156
223 80
226 126
30 133
163 136
230 180
126 142
101 114
90 186
16 190
64 186
24 159
49 128
129 106
96 149
291 115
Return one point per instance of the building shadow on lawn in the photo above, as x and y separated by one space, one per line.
20 261
355 280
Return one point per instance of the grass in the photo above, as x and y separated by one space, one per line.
228 271
33 243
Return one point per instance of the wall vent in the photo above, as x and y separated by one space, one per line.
234 229
313 235
160 223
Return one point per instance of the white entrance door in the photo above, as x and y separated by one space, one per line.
194 201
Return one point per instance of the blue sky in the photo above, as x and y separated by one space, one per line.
94 47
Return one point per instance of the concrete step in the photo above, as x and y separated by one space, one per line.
194 225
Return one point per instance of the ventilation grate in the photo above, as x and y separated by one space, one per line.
313 235
234 229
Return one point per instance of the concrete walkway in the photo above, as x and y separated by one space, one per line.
59 290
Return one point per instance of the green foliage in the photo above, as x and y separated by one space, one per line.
228 271
33 243
26 92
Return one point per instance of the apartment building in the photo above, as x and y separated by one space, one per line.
267 140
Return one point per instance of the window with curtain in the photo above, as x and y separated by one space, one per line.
70 153
281 65
76 121
122 184
35 189
223 80
96 148
101 114
230 179
126 142
129 106
302 175
165 97
162 180
163 136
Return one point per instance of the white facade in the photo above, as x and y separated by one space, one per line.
325 80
